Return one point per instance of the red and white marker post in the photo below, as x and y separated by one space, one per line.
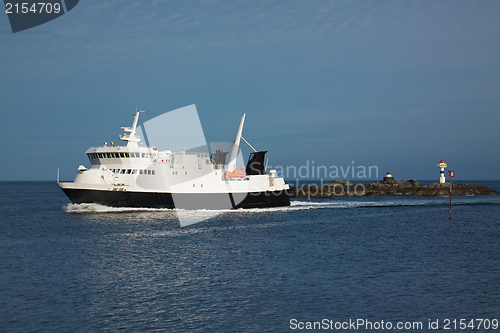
452 174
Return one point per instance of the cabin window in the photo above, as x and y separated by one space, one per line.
134 171
186 172
122 155
127 155
129 171
122 171
100 155
153 172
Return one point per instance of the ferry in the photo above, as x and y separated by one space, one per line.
138 175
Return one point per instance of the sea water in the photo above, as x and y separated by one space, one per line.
323 263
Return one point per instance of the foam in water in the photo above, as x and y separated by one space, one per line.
85 208
189 217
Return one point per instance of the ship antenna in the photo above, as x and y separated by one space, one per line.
242 138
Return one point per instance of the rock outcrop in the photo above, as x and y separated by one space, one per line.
342 188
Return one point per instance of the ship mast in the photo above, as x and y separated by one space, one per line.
131 138
236 146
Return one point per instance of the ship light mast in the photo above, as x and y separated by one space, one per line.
131 138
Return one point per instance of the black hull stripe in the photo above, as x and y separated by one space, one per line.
184 201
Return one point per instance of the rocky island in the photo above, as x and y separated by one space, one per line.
340 188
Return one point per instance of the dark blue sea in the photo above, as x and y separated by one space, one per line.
320 264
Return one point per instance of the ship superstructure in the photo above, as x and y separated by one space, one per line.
139 176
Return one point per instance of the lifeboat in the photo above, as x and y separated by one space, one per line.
238 173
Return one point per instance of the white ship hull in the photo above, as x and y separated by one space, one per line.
213 201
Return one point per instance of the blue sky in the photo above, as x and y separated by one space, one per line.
393 84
